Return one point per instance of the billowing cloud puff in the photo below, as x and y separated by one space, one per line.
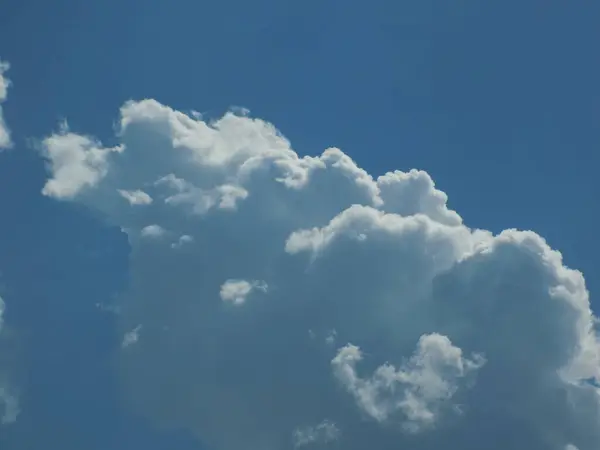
387 322
430 379
152 231
5 140
77 162
236 291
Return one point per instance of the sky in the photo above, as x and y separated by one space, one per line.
275 225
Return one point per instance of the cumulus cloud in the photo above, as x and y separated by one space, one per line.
444 336
236 291
76 162
5 140
418 390
152 231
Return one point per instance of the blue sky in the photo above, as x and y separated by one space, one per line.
498 102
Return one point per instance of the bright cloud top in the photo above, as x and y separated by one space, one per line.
5 140
447 337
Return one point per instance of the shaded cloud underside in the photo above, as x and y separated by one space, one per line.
447 337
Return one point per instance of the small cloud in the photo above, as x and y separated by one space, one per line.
137 197
330 338
152 231
109 308
131 337
236 291
9 401
76 163
9 406
183 240
323 433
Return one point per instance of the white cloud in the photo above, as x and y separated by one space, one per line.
382 261
131 337
136 197
5 140
152 231
236 291
76 162
202 200
418 390
182 240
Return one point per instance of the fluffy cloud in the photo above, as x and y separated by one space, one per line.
76 162
445 336
430 378
136 197
236 291
152 231
5 140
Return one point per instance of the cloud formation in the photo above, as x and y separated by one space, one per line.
9 402
429 379
5 139
387 322
236 291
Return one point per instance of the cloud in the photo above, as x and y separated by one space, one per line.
443 335
323 433
9 402
137 197
236 291
9 406
152 231
182 240
417 390
77 162
131 337
5 139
